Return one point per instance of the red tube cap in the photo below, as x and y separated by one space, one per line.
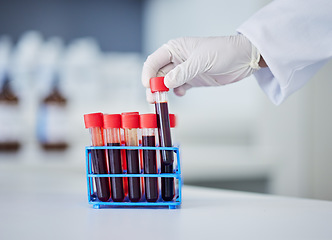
93 120
172 120
130 120
148 120
112 120
157 85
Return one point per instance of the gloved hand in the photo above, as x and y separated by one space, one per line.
192 62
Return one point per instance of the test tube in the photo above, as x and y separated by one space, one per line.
130 124
112 125
148 124
159 91
94 122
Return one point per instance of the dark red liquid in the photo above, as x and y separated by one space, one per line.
134 183
167 158
124 167
167 184
150 166
99 163
164 131
114 158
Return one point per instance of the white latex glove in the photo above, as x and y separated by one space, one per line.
193 62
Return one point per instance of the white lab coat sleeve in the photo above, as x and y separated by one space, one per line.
295 39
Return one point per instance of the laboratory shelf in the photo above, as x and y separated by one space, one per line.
142 203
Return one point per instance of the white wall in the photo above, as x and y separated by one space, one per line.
321 142
169 19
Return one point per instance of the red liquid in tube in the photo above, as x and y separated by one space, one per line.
112 125
94 122
130 124
167 157
148 124
134 183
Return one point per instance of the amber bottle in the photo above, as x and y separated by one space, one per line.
9 118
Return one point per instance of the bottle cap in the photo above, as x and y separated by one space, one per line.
148 120
93 120
130 120
157 85
172 120
112 120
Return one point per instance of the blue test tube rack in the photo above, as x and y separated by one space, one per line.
90 175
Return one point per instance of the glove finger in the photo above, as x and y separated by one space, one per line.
163 71
183 73
181 91
157 60
149 96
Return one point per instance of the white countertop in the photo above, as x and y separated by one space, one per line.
50 202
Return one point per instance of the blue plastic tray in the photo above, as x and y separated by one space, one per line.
175 203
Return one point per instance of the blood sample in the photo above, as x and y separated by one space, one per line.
130 124
94 122
159 91
112 125
148 123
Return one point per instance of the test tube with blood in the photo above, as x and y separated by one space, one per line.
112 125
159 91
148 124
94 122
130 124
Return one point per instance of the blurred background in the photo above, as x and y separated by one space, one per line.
62 59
